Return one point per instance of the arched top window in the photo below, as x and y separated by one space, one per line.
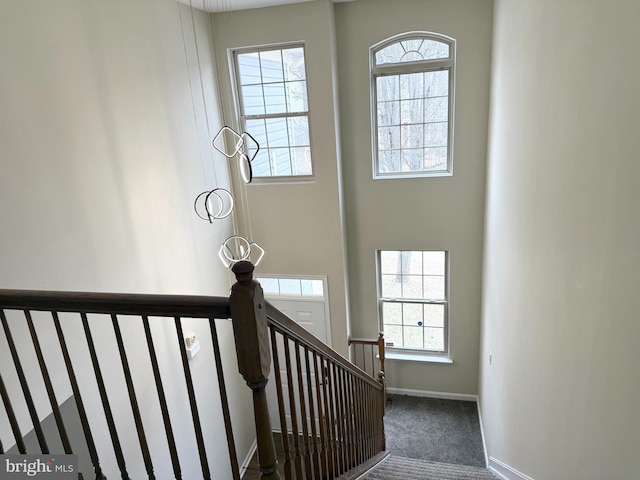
412 91
411 50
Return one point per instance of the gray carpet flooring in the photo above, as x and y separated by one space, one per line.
436 430
429 439
395 467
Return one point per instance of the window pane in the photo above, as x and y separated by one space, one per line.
412 85
298 131
434 287
392 313
274 98
253 100
437 83
271 64
388 88
411 111
393 336
435 134
276 137
411 50
257 129
413 337
412 45
411 278
269 285
412 136
290 286
412 160
249 68
411 286
434 339
261 165
411 56
431 49
389 161
424 111
436 109
301 158
435 158
311 287
412 314
281 161
294 64
391 286
390 262
388 113
433 263
389 138
391 54
273 83
297 97
411 262
277 132
434 315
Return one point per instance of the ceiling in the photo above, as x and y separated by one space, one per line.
229 5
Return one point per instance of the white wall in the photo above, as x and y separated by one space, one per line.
426 213
562 241
299 225
102 156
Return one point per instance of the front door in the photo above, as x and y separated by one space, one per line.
310 312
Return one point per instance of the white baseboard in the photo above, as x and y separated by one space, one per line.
428 394
247 460
506 472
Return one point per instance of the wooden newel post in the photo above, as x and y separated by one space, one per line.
254 357
381 373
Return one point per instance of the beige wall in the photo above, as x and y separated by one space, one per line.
299 225
426 213
101 158
562 244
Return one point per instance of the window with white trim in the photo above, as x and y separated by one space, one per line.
412 91
296 287
413 299
271 83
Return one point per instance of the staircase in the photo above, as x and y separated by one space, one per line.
394 467
332 410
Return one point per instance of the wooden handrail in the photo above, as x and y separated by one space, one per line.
286 325
193 306
321 385
169 310
330 411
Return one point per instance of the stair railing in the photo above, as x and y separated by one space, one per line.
366 351
330 411
79 312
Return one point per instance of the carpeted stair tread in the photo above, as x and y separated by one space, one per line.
395 467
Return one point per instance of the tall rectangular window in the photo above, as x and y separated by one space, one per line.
272 92
412 105
413 299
